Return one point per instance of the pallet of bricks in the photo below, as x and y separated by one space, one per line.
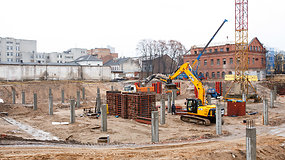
114 102
131 105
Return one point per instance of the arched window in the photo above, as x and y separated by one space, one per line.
207 74
213 74
223 74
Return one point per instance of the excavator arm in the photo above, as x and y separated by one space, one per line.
198 84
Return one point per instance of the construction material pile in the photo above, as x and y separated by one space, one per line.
130 105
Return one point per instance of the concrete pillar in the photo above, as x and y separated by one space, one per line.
112 88
13 96
50 105
162 111
218 119
35 102
169 103
23 98
49 92
250 140
104 118
271 99
265 112
62 96
83 93
275 92
72 111
98 101
154 127
173 96
244 97
209 99
78 99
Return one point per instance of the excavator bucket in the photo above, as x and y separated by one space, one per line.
171 86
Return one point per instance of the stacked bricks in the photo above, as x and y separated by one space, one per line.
113 100
130 105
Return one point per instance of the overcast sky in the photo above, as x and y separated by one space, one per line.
58 25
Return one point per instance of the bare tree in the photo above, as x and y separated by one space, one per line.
176 51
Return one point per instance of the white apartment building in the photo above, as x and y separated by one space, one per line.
17 50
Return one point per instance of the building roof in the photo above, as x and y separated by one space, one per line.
116 62
87 58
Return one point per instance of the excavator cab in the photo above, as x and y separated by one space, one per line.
193 104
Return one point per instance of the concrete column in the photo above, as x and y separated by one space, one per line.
13 96
78 99
49 92
173 96
271 99
83 93
218 119
72 111
35 101
275 92
169 103
112 88
23 98
104 118
265 112
250 140
98 101
162 111
209 99
244 97
154 127
50 105
62 96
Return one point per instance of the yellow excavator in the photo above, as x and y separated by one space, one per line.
197 110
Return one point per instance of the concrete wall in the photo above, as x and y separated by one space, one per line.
19 72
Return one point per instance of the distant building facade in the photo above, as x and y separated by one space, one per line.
105 54
280 63
17 50
217 61
89 60
124 68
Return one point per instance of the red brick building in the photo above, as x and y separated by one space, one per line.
217 61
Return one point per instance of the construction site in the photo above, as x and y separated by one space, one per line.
158 116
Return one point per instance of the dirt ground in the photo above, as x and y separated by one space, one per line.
128 138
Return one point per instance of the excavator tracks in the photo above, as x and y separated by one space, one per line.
195 119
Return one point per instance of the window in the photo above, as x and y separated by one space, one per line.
216 50
262 61
11 53
205 62
213 74
8 47
200 51
210 50
207 74
17 54
11 47
248 60
250 48
212 62
218 61
252 60
228 49
259 48
231 60
8 53
224 61
218 74
223 74
230 73
195 52
222 49
253 48
205 51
